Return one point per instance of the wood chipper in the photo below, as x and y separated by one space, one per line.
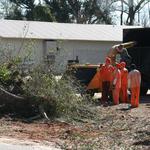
88 75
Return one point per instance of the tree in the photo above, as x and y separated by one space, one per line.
42 13
78 11
28 10
107 8
131 8
16 14
6 8
59 9
88 12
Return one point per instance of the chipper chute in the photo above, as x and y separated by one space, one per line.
127 44
95 83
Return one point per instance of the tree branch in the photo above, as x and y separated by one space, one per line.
138 5
125 2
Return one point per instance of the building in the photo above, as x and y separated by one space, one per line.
57 43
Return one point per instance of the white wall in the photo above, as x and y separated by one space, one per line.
32 49
87 51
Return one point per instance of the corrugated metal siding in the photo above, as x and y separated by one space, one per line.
59 31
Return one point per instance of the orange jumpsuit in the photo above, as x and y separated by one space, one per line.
117 85
134 81
106 77
124 83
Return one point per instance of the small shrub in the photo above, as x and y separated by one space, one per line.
5 74
8 72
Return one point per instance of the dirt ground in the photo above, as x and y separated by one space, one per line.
118 128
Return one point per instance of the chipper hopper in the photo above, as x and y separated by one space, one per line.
88 76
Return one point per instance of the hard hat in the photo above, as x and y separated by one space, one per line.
123 64
118 65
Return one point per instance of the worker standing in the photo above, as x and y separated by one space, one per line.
116 84
118 54
106 77
124 83
125 57
134 82
116 49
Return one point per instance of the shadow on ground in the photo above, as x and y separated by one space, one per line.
145 138
145 143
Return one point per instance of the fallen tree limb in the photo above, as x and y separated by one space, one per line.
22 105
5 95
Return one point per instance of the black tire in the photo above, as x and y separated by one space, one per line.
143 91
90 93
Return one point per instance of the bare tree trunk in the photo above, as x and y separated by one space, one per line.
131 16
149 11
121 16
130 19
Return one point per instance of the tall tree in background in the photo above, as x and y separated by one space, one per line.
27 6
107 7
89 11
131 8
27 9
121 15
60 10
78 11
7 8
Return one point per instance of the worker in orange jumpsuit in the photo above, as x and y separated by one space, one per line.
106 77
124 83
116 84
134 82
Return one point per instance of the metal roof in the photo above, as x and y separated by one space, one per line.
59 31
